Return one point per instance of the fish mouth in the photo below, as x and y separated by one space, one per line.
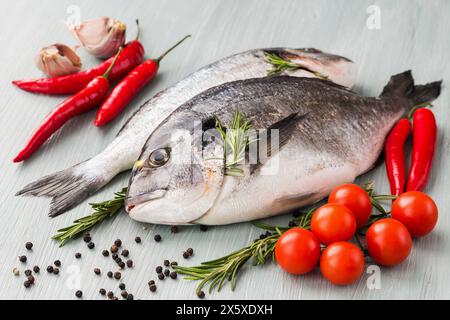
133 201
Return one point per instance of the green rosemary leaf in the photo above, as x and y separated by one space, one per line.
235 143
102 211
280 65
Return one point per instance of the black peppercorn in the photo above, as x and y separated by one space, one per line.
174 229
121 265
130 263
201 294
114 256
137 239
173 263
151 282
153 287
110 294
117 275
97 271
105 253
166 263
186 255
159 269
79 293
102 291
55 270
28 245
36 269
122 286
91 245
125 253
173 275
30 278
109 274
190 251
87 238
130 297
161 276
166 272
78 255
114 249
50 269
57 263
124 294
23 259
27 284
27 272
157 238
118 260
203 228
118 243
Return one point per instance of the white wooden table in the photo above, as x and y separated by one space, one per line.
412 35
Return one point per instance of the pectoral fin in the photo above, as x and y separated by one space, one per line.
283 129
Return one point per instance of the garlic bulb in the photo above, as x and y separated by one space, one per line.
58 60
101 37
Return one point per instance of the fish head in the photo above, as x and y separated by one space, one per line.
177 178
315 63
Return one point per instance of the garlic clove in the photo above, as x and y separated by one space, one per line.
58 60
101 37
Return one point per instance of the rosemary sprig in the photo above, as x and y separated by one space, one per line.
235 142
217 272
102 211
280 65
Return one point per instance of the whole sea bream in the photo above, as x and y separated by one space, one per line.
69 187
327 136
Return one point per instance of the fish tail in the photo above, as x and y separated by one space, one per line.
402 85
68 187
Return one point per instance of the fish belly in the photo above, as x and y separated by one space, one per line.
295 184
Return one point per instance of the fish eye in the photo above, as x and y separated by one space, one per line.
159 157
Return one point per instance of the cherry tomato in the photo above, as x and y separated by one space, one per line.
417 211
297 251
333 222
356 199
388 242
342 263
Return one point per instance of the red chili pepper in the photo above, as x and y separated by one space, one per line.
88 98
424 141
395 156
128 87
131 56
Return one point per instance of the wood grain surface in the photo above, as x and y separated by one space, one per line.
412 35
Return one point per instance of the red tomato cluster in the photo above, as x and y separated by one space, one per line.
389 240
